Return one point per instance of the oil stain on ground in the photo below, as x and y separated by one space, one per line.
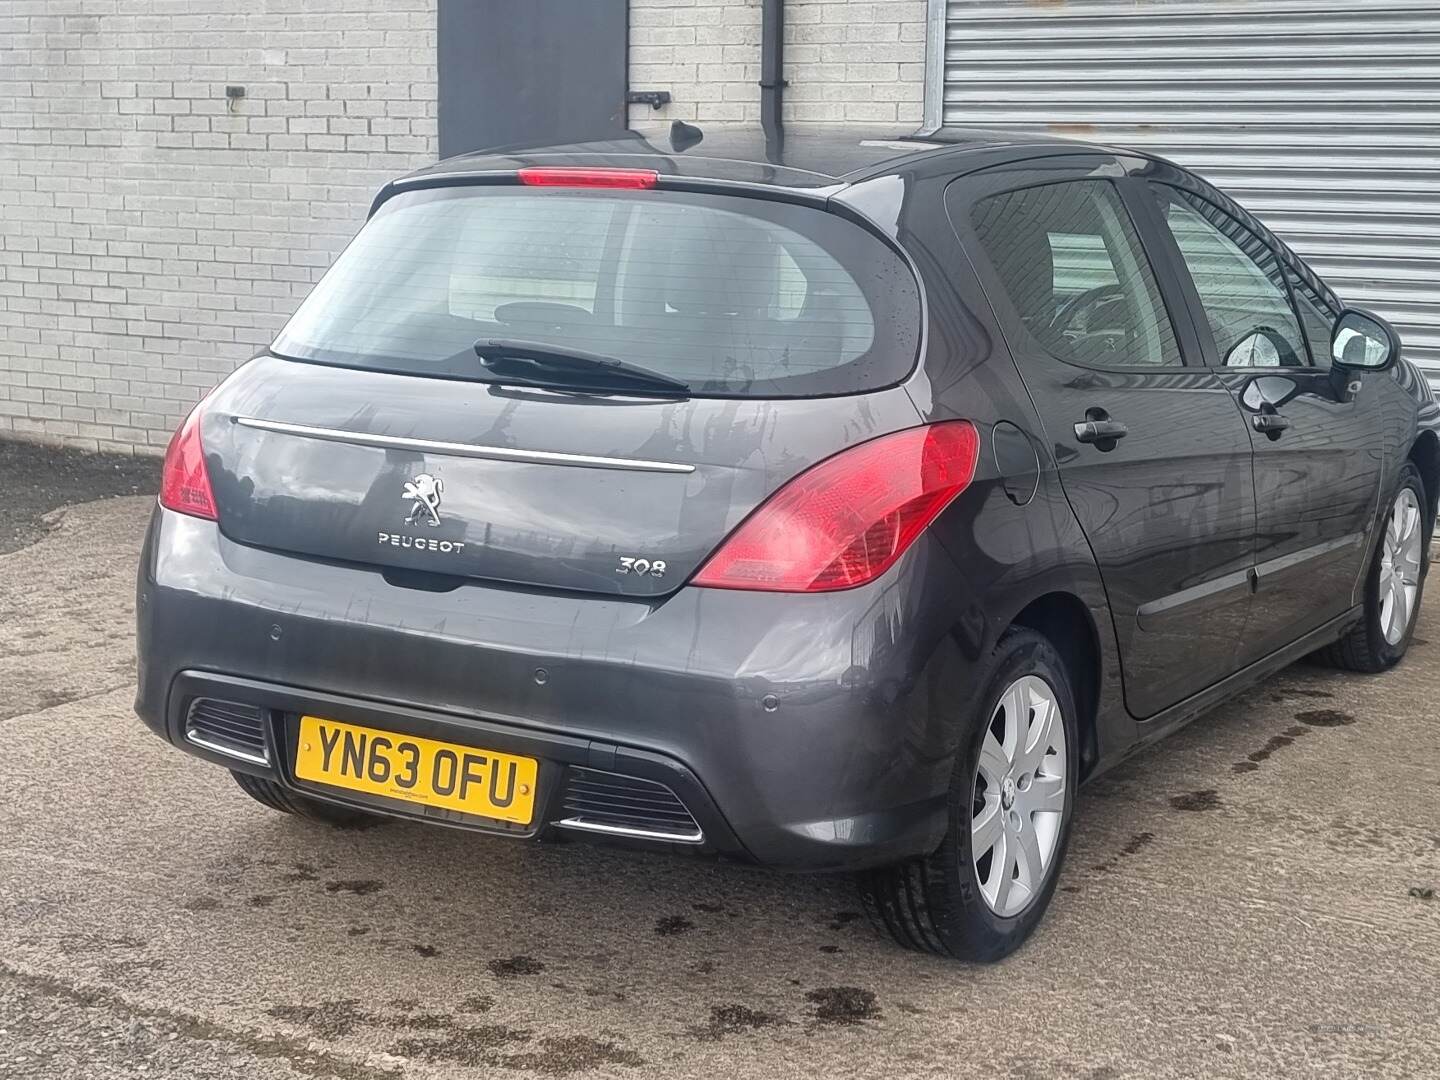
443 1039
474 1045
422 1022
734 1020
1277 742
1208 799
496 1045
1325 718
510 967
1137 843
562 1055
329 1019
843 1004
671 925
362 887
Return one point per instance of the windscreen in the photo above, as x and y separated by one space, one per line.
732 296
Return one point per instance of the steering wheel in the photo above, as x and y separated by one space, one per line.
1087 300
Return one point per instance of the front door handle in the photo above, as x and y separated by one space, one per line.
1100 431
1271 424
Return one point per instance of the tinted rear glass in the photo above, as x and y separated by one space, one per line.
733 296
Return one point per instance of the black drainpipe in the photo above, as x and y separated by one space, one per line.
772 74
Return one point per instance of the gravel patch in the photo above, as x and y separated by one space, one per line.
37 480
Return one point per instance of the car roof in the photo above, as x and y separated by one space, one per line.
819 158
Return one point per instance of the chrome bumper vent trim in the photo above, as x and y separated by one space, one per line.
618 805
230 728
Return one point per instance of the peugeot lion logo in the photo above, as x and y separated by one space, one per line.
425 491
423 494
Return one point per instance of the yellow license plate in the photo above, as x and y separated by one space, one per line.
416 770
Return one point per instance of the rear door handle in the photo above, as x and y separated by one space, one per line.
1099 431
1269 423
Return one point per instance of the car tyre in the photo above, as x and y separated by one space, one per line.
967 903
1396 580
268 793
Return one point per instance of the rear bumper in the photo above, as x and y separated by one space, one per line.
806 732
559 755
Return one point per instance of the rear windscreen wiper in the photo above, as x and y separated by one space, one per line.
550 365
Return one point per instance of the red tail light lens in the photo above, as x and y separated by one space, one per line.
184 481
566 176
847 520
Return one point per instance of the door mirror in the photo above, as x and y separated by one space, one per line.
1363 341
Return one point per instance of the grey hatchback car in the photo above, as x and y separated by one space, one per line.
839 508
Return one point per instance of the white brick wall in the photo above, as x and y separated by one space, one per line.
845 60
151 238
705 52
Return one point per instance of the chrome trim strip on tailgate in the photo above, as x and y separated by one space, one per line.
492 453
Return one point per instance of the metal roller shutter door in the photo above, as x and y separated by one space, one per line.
1321 117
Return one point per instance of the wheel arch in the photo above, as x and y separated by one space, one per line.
1425 454
1064 620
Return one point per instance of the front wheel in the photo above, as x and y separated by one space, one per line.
1393 585
981 893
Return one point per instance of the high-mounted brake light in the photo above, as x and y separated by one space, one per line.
846 521
570 176
184 479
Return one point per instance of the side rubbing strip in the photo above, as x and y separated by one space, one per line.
1166 605
1238 579
1285 563
491 453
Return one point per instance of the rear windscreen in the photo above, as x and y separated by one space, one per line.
730 295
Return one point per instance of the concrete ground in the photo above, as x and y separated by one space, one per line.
1248 899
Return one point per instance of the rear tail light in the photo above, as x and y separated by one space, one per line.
846 521
569 176
184 480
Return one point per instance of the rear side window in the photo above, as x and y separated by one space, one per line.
1073 268
733 296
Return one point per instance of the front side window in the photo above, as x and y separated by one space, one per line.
1072 267
1239 281
731 296
1317 318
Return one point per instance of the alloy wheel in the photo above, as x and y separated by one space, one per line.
1400 558
1019 796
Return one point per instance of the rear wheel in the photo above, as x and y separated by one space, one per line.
1393 585
983 891
271 794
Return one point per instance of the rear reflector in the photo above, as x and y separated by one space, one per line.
846 521
566 176
184 480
